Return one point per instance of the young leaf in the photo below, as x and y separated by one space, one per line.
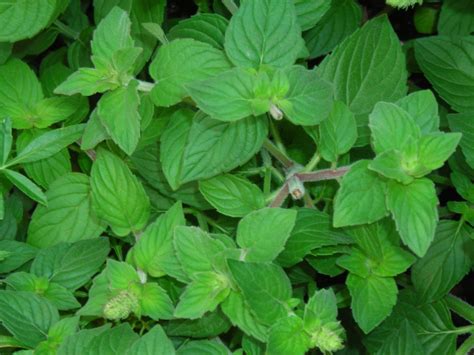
372 299
338 133
368 67
199 147
155 342
182 62
423 108
68 216
287 336
309 99
232 195
250 44
362 188
117 196
155 302
87 82
266 289
414 210
262 234
28 187
320 309
390 164
118 113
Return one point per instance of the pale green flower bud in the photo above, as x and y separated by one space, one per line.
120 306
403 4
327 340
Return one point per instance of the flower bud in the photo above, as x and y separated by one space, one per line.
326 340
120 306
403 4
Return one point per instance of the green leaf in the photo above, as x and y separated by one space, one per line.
87 82
312 230
71 265
48 144
27 316
445 263
155 302
392 127
155 342
464 124
456 18
28 187
403 340
182 62
287 336
309 99
435 149
113 341
117 196
118 113
414 210
320 309
154 251
18 254
111 35
68 216
310 12
5 139
423 108
196 250
203 347
250 44
210 325
338 133
391 165
207 28
194 148
202 295
240 314
266 289
368 67
262 234
372 299
79 343
362 188
446 63
232 195
229 96
52 110
341 20
23 19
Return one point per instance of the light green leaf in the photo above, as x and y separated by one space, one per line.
118 113
309 99
154 251
414 210
155 342
202 295
194 347
445 263
368 67
266 289
28 187
5 139
229 96
199 147
320 309
341 20
392 127
52 110
48 144
240 314
87 82
395 261
27 316
120 275
249 43
390 164
182 62
456 18
23 18
117 196
111 35
338 133
155 302
423 108
262 234
68 216
196 250
372 299
71 265
310 12
203 27
232 195
63 328
362 188
287 336
446 63
464 123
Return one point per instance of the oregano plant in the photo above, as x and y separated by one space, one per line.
278 177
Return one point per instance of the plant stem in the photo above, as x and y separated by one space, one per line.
9 342
461 308
230 5
66 30
280 197
278 154
141 274
320 175
313 163
463 330
466 346
145 86
276 136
